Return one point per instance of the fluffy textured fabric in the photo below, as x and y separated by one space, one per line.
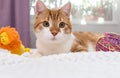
71 65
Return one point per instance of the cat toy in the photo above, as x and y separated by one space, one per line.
10 40
109 42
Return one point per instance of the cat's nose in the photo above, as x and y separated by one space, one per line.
54 33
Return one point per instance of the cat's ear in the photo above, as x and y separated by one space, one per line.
67 8
40 7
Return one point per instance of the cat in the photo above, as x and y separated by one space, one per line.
53 31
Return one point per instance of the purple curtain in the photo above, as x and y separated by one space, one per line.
16 14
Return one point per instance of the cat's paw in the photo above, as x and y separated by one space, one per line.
34 55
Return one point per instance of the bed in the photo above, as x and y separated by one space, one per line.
70 65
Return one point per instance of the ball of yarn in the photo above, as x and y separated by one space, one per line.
108 42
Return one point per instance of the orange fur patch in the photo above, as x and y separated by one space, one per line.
55 16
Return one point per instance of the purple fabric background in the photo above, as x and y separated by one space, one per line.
16 14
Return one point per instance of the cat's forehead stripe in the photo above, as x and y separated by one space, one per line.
54 14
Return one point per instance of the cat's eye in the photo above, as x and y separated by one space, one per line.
46 24
61 24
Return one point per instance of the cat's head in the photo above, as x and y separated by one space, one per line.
52 24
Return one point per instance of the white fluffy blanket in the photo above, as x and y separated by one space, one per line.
72 65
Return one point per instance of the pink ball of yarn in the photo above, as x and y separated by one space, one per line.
109 42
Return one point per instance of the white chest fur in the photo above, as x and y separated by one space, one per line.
46 48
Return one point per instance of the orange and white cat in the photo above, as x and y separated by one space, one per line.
54 34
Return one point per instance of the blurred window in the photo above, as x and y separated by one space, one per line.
84 11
